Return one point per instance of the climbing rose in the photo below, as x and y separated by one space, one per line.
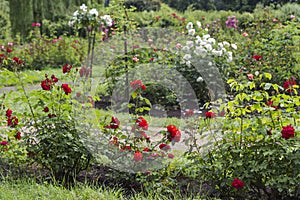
288 132
66 88
237 183
138 156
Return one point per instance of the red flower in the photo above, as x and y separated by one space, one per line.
66 88
174 133
18 135
144 135
3 143
46 109
51 115
157 18
288 132
164 146
269 132
270 103
84 72
171 155
146 149
141 122
257 57
210 114
138 156
189 113
250 77
237 183
13 121
66 68
8 50
54 79
114 123
288 84
8 113
128 147
46 84
136 84
18 60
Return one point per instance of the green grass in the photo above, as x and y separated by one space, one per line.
8 78
28 189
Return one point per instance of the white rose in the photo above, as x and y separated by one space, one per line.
189 26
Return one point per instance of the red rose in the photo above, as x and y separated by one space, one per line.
288 132
46 109
54 79
13 121
210 114
66 68
84 72
171 155
174 133
136 84
18 60
189 113
8 113
164 146
288 84
257 57
8 50
138 156
237 183
66 88
141 122
146 149
3 143
18 135
114 123
46 84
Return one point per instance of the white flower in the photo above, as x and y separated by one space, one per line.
200 51
190 44
199 79
188 63
206 29
208 47
216 52
211 40
191 32
198 41
93 12
71 23
187 57
83 7
220 44
178 46
234 46
206 36
229 59
224 50
76 13
226 44
210 64
198 24
229 53
185 48
189 26
107 20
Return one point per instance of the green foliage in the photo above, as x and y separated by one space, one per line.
148 5
251 146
